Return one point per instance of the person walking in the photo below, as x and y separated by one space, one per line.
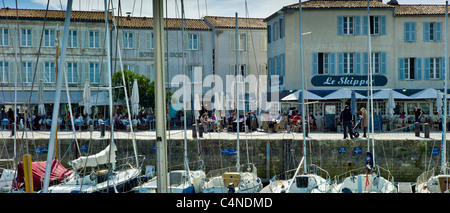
346 121
417 113
364 121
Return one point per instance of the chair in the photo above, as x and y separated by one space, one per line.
264 126
297 127
281 126
398 123
229 126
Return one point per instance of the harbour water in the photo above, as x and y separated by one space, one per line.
403 153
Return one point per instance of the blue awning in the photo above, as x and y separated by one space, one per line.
7 97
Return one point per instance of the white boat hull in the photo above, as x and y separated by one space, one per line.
307 183
246 182
364 183
6 179
436 184
178 184
114 183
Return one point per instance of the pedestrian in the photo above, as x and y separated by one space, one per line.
346 121
364 121
417 113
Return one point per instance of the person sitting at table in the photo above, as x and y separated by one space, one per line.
203 122
248 119
89 120
297 120
79 118
270 122
231 119
278 117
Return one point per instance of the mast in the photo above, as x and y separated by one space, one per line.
51 146
186 164
237 78
369 87
444 117
300 30
161 147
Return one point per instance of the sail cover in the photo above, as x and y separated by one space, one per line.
58 173
103 157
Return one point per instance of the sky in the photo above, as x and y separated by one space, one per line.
193 8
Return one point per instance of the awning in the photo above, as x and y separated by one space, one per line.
296 96
384 94
7 97
342 94
58 173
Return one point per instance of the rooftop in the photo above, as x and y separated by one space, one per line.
170 23
230 22
51 14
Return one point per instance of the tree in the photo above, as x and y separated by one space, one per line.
145 85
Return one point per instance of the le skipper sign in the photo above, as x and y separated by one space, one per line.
347 80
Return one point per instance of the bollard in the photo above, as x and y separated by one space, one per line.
288 128
200 131
426 130
102 130
12 129
28 173
194 131
307 130
417 129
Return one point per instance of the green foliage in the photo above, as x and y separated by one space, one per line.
145 85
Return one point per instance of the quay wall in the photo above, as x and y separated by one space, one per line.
405 159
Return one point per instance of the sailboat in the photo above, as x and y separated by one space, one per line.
306 182
107 179
182 180
428 182
369 179
241 178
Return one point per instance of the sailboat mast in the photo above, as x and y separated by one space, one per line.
300 32
444 117
108 72
51 146
160 102
369 86
237 68
186 165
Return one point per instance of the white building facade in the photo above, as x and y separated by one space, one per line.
407 46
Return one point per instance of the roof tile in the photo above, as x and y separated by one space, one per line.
230 22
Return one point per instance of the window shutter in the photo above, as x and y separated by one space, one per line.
269 34
365 19
383 25
148 40
358 63
442 67
383 63
278 59
407 31
412 31
426 31
199 41
332 63
357 25
437 32
102 39
426 68
340 63
365 63
340 25
315 63
401 73
232 42
418 69
263 43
